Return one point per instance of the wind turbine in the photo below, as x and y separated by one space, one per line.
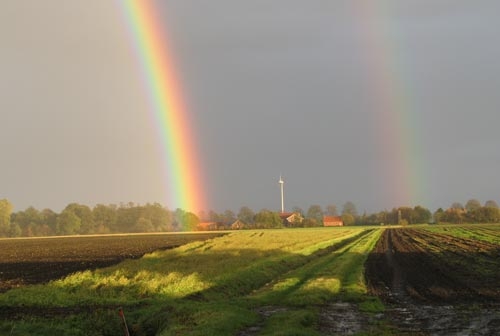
281 182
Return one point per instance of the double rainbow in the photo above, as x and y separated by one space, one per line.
179 152
400 153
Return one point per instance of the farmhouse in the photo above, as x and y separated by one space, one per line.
238 225
291 219
332 221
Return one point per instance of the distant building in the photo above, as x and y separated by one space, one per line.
210 226
238 225
291 219
332 221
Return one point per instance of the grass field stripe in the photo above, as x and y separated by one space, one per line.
179 153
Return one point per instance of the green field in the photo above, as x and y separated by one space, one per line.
213 287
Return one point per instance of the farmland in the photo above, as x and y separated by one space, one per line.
439 280
323 281
26 261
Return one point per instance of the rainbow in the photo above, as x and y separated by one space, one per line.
400 154
168 110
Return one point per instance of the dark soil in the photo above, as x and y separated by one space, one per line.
435 284
39 260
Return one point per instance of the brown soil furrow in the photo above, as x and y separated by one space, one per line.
442 276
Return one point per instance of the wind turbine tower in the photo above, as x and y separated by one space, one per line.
281 182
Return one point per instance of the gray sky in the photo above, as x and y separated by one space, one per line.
282 86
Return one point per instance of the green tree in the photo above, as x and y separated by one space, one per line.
453 215
266 219
15 230
185 221
350 208
28 221
49 217
144 225
160 217
315 212
348 219
68 223
438 215
104 218
405 214
84 213
126 217
421 215
246 215
484 215
472 204
5 213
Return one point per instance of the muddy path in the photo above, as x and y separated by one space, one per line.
436 284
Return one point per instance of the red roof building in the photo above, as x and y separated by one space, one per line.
332 221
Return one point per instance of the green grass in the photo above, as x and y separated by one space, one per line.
210 287
486 232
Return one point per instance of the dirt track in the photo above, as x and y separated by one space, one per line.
436 284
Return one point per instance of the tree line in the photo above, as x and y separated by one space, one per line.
78 219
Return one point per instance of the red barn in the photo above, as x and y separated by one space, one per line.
332 221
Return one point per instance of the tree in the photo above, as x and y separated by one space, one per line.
144 225
185 221
453 215
266 219
472 204
49 218
160 217
331 210
126 217
68 223
491 204
438 215
84 213
457 205
315 212
15 230
213 216
484 215
348 219
246 215
228 217
421 215
405 215
350 208
104 218
5 212
28 221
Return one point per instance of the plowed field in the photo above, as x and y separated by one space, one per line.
38 260
431 280
433 267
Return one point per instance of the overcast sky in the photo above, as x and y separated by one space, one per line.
282 86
